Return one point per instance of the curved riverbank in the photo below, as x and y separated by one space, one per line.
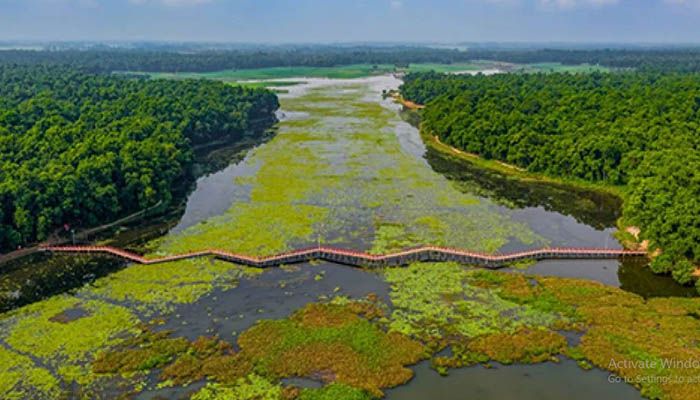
627 239
34 275
434 142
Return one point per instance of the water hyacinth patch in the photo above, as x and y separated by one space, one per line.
338 342
333 343
486 316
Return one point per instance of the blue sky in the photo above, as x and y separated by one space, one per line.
353 20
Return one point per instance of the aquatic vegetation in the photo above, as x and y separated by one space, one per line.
62 334
339 171
32 330
338 176
141 353
337 342
333 343
524 345
251 387
157 288
437 303
527 345
389 238
19 376
623 332
180 361
45 349
334 391
508 317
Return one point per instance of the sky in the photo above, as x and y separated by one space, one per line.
289 21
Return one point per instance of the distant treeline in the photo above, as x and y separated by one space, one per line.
207 60
634 129
672 59
217 60
84 149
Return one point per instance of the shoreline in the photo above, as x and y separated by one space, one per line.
627 240
512 170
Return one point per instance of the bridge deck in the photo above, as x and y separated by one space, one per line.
361 259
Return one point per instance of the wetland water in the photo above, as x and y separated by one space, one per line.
344 169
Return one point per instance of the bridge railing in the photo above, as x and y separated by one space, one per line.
359 258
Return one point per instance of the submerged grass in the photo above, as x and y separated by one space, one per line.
251 387
45 351
335 391
157 289
439 304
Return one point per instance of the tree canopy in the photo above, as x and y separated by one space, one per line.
201 58
83 149
634 129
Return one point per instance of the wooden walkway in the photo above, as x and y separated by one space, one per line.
361 259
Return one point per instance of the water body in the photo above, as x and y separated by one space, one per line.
275 294
546 381
550 212
564 216
344 171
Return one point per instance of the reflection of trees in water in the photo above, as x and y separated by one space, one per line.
40 275
636 277
598 210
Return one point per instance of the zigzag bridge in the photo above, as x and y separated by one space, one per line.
366 260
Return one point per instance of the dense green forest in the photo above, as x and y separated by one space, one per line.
204 59
654 59
640 130
83 149
217 60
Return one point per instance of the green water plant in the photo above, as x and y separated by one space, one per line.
486 316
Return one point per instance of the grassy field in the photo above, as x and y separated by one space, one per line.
359 71
339 72
346 71
266 84
275 86
457 67
558 67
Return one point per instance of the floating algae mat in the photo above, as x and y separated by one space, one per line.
339 175
343 170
